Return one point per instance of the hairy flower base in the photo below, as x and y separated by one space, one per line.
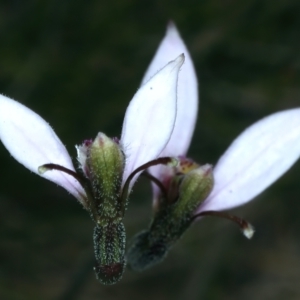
150 247
109 247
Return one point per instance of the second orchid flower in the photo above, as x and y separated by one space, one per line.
186 192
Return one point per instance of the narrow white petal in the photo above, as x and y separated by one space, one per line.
32 142
150 117
187 92
257 158
187 98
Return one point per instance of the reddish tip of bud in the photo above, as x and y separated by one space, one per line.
87 142
116 140
185 165
110 274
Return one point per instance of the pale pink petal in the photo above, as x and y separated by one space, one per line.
187 91
150 117
257 158
32 142
187 98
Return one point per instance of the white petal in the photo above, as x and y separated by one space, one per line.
150 117
187 98
257 158
32 142
187 92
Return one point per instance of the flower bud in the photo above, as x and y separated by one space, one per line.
193 190
102 162
172 219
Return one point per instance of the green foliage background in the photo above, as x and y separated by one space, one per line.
78 63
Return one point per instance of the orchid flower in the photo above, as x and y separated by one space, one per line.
108 167
186 192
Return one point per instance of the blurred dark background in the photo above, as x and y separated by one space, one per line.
77 64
